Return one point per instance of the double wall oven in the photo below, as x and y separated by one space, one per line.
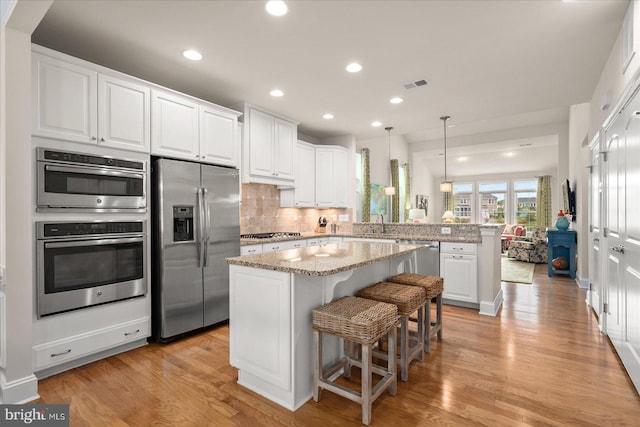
102 257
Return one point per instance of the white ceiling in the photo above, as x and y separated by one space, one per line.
491 65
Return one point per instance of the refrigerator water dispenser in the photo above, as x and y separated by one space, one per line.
183 223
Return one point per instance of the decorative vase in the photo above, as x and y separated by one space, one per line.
562 223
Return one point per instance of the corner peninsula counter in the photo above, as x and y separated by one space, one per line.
271 299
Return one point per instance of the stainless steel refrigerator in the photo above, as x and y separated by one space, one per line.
196 225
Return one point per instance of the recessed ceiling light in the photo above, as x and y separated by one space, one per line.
276 93
396 100
322 255
509 154
463 159
276 8
354 67
376 124
193 55
327 116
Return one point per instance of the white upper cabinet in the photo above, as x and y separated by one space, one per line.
124 113
65 100
76 103
219 137
186 128
175 125
321 177
305 190
331 177
268 147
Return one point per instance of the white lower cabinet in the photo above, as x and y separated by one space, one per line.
250 249
281 246
459 268
77 346
366 239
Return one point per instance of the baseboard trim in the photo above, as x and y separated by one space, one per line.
491 308
582 283
19 391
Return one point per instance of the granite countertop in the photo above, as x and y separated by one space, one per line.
389 236
324 260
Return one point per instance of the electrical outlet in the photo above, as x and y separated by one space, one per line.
334 218
446 230
344 218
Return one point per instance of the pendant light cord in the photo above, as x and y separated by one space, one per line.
444 125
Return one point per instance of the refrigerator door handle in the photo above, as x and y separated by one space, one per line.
200 229
207 225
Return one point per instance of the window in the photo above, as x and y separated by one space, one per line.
525 195
492 202
462 207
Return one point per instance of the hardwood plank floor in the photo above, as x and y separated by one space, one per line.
541 362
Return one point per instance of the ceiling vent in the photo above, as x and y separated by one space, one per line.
417 83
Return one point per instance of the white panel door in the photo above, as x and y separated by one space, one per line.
615 194
286 134
124 114
325 187
340 180
630 241
261 144
64 100
595 202
174 126
305 175
218 140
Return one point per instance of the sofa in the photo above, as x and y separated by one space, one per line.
530 249
509 232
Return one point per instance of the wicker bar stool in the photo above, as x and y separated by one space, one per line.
433 285
408 300
360 321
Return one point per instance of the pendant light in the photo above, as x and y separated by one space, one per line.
389 191
445 186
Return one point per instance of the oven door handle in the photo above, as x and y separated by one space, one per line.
94 171
92 242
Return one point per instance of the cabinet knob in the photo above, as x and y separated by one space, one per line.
93 138
102 140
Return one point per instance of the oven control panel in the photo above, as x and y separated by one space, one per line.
64 229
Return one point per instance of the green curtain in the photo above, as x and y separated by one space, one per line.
543 202
407 192
366 186
395 199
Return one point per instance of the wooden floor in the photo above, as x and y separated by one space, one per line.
542 361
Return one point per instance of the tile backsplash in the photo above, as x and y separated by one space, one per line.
260 212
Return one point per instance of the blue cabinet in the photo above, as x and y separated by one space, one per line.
562 243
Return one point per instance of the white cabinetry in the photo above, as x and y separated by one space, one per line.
268 147
76 103
459 267
281 246
188 129
250 249
321 178
331 176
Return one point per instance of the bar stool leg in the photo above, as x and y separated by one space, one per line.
421 335
317 364
366 384
348 354
392 339
439 315
427 324
404 347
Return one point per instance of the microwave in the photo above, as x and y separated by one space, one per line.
69 181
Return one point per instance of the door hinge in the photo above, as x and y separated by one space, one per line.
604 155
590 287
605 308
605 231
591 228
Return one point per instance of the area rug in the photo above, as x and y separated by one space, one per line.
517 271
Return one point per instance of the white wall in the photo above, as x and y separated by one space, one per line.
17 382
424 183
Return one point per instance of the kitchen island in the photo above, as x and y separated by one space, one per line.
271 299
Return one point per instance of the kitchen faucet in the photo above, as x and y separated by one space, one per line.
382 222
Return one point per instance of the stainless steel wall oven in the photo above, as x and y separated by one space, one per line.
69 181
81 264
